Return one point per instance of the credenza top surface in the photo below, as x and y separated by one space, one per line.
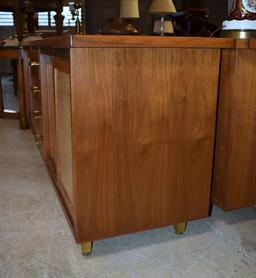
85 41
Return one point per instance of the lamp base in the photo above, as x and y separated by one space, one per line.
239 34
119 26
166 30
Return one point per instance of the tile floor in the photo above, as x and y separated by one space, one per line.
35 239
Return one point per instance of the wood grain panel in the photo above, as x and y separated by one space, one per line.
81 41
235 175
252 44
150 41
143 135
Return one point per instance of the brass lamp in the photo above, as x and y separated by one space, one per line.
129 9
122 25
162 8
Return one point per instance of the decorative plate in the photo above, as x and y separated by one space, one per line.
250 5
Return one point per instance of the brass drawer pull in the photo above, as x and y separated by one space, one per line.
34 64
38 138
35 89
38 117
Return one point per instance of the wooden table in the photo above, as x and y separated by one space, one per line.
15 53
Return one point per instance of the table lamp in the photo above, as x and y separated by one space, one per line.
129 9
74 7
162 8
241 22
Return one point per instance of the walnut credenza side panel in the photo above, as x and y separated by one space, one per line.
234 184
143 128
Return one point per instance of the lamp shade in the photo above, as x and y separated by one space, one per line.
129 9
162 7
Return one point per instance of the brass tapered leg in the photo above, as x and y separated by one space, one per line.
180 228
86 248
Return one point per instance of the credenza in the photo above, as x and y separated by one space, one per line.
129 129
234 183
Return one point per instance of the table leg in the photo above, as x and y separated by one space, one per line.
86 248
180 228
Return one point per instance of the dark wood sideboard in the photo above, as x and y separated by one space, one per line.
129 129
